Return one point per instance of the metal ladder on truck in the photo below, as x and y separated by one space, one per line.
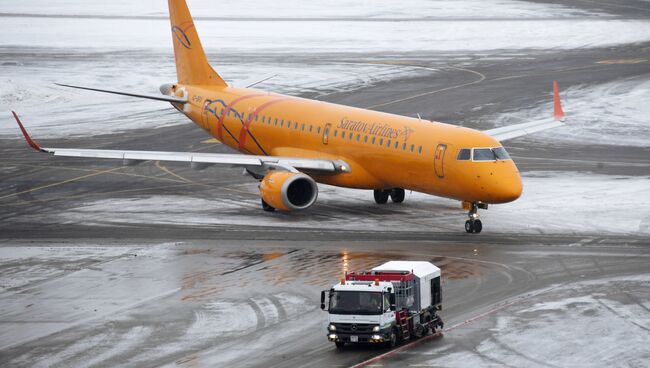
402 318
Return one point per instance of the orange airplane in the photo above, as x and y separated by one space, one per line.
291 143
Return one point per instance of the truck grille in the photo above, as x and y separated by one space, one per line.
354 328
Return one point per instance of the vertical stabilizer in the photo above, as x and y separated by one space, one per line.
557 105
192 66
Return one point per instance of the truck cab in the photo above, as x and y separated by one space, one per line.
394 302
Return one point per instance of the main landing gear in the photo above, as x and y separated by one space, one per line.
396 195
474 225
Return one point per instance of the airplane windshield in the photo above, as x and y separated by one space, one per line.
490 154
501 153
355 302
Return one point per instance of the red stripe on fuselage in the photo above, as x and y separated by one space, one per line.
226 110
244 130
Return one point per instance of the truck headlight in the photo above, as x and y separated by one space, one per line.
331 328
375 329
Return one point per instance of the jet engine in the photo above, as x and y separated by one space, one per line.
288 191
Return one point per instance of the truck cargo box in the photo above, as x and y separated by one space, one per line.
426 283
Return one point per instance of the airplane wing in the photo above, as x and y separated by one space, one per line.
518 130
292 164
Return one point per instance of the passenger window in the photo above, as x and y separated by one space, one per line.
420 150
464 154
350 136
381 141
318 130
335 132
296 125
403 146
365 139
256 116
275 122
373 140
302 128
310 128
396 144
342 135
358 137
412 147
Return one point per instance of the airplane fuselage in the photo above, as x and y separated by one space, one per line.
383 150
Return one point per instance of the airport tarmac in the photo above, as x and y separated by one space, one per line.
161 265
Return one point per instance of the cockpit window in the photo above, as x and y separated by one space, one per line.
501 153
490 154
464 154
483 154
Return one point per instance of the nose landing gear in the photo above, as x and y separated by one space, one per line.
473 225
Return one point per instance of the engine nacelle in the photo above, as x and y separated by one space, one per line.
288 191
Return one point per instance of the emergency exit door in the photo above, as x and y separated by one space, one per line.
326 133
439 161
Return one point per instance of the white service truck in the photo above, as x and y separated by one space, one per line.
392 303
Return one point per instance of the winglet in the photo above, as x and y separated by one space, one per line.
29 139
557 105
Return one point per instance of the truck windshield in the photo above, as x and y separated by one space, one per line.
355 302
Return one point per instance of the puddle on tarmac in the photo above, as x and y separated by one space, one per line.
280 267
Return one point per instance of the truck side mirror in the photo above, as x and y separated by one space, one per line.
322 300
391 298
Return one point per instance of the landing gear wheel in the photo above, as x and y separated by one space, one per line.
266 207
478 226
397 195
469 226
339 344
474 225
381 196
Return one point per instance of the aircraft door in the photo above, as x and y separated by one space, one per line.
326 133
438 160
205 115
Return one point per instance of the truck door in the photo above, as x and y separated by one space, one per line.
436 292
438 160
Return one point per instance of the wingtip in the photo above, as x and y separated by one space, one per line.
29 139
558 112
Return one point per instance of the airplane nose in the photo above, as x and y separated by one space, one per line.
511 190
507 185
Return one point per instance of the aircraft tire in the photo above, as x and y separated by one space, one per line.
266 207
478 226
381 196
397 195
469 226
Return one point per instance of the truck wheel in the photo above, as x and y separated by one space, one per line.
420 331
392 340
339 344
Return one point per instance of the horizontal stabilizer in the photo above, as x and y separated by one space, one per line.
149 97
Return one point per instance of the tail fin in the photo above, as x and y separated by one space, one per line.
191 63
557 105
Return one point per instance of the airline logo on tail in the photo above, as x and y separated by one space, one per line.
181 36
